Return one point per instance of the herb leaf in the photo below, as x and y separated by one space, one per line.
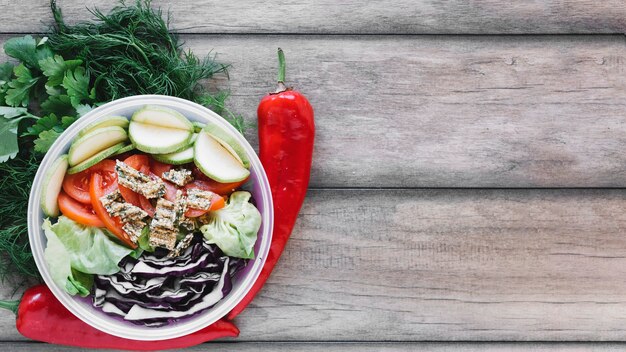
76 82
6 70
82 109
59 104
9 123
8 139
54 68
20 87
27 50
43 124
45 140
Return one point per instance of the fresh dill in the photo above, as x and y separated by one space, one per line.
16 178
131 50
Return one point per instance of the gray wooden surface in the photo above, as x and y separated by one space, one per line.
358 347
354 17
382 260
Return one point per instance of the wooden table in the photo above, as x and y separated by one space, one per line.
468 185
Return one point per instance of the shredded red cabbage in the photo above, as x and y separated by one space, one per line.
155 290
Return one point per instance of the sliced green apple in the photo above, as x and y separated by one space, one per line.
52 182
120 121
216 162
163 117
96 158
229 142
94 142
157 139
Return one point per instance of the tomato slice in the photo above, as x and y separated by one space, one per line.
214 186
79 212
144 203
77 186
106 169
217 202
97 187
106 165
170 191
136 162
158 168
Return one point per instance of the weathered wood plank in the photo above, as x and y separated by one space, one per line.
360 347
441 111
449 111
410 265
353 17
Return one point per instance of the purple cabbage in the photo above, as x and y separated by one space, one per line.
155 290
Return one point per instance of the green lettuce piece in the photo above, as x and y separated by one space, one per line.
234 228
74 252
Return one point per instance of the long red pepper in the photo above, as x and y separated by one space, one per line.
286 134
41 317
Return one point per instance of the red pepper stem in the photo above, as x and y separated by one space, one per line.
10 305
282 67
281 71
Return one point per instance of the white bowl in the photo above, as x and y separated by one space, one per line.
242 282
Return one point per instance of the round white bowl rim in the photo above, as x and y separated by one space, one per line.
127 329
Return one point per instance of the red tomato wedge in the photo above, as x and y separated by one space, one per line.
144 202
79 212
214 186
77 185
170 191
136 162
97 187
158 168
216 203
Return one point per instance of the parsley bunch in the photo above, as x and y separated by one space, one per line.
40 96
53 80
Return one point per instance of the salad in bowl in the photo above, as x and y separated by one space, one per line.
150 217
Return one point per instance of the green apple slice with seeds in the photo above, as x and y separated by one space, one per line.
163 117
52 183
216 162
94 142
120 121
229 142
96 158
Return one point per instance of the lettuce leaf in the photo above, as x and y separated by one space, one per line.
74 252
234 228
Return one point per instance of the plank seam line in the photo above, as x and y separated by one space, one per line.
390 34
393 342
402 188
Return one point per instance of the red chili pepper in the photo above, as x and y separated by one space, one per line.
286 134
41 317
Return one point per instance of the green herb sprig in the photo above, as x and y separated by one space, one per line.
16 178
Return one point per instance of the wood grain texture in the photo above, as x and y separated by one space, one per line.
353 17
358 347
441 111
449 265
